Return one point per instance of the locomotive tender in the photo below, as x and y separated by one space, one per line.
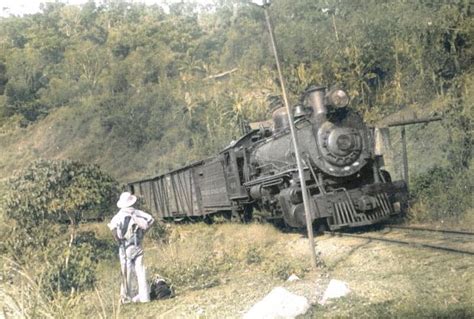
346 186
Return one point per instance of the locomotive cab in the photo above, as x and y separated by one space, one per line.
234 161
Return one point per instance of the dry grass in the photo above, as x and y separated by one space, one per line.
220 271
22 296
394 281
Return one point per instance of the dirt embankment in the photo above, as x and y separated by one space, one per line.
385 280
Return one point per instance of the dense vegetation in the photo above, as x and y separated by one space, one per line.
139 90
150 79
57 255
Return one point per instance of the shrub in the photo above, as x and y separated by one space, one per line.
102 248
159 232
442 193
57 267
282 268
253 255
78 273
37 200
59 190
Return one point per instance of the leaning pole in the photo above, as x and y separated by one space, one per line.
309 223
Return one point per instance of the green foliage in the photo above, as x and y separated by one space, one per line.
281 267
198 271
58 190
41 196
77 274
143 91
57 266
159 232
442 193
101 248
253 255
423 183
152 83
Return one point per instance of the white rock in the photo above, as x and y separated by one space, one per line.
335 289
278 304
293 277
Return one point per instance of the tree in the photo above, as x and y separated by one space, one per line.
40 199
53 191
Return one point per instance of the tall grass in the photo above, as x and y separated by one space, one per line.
442 194
23 296
200 256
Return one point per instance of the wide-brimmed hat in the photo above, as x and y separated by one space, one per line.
126 200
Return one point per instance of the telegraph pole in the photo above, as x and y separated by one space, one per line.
309 222
403 123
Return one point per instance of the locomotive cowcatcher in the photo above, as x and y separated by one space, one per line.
257 174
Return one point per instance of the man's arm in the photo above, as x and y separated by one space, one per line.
115 234
144 220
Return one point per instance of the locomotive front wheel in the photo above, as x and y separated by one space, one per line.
320 226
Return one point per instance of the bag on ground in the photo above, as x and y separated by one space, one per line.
160 289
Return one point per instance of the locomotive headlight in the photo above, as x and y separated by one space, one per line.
337 98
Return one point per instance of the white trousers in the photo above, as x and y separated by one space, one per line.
131 260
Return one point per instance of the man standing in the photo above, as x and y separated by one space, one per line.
128 227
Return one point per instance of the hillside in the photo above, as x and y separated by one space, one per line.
138 90
73 134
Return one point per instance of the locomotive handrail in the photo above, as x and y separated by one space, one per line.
316 179
273 183
269 178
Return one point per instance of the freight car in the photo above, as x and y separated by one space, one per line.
343 174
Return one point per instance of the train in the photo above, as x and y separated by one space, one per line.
256 176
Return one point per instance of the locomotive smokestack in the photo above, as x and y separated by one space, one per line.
315 99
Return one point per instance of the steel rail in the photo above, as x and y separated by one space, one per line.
402 242
447 231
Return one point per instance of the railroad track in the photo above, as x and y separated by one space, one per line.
446 231
449 236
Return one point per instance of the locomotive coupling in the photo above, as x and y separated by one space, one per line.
366 203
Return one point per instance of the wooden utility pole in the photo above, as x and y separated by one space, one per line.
404 154
403 123
309 221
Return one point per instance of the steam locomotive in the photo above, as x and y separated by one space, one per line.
258 172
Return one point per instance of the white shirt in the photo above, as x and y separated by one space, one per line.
142 219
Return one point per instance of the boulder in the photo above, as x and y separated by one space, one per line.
279 303
335 289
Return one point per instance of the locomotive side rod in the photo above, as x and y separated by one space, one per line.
309 222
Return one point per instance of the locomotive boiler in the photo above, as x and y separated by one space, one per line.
258 172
